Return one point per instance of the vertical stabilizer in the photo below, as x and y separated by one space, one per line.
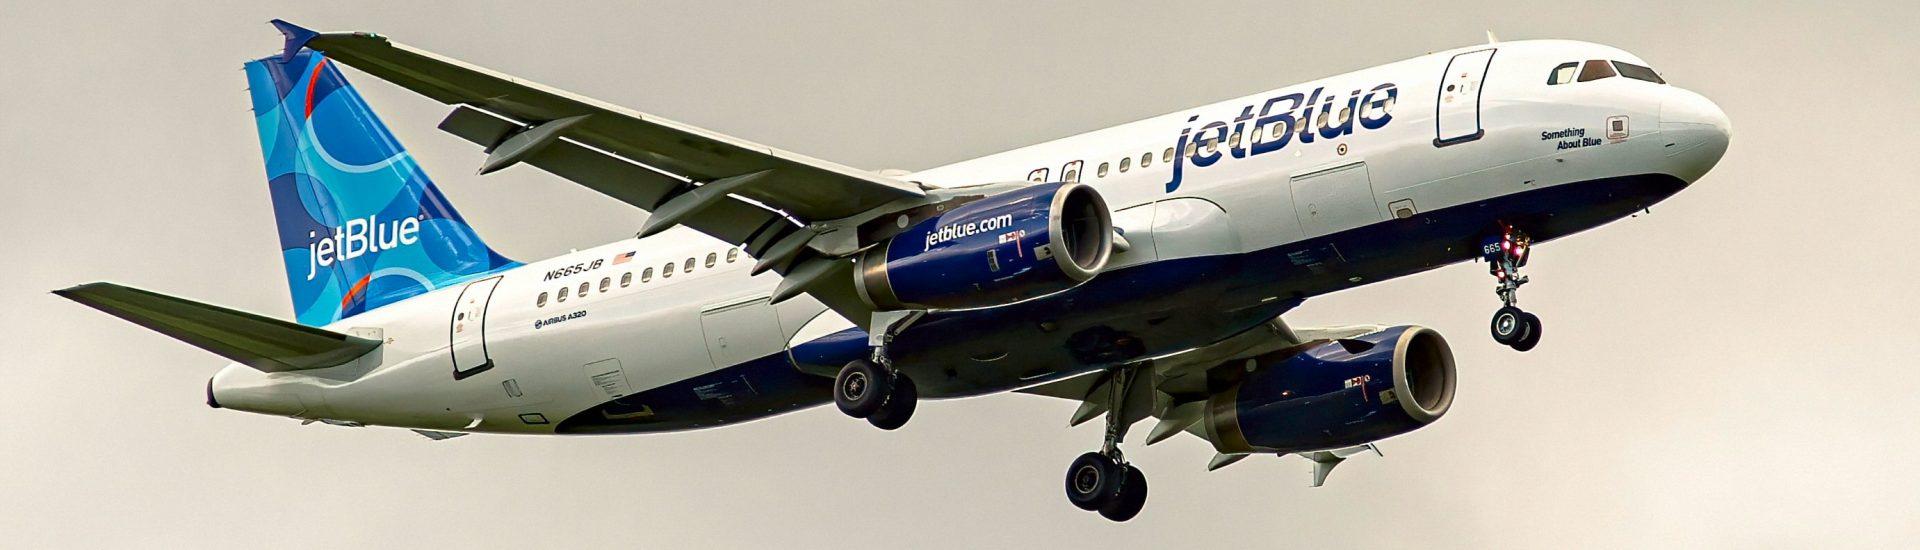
361 225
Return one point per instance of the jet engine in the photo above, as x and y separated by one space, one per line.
993 251
1335 394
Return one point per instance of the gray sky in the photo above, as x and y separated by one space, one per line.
1731 371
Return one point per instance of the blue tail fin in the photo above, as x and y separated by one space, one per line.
361 226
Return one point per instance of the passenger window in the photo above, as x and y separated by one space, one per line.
542 302
1233 140
1254 134
1562 74
1126 163
733 254
606 283
1103 170
647 275
1167 156
666 271
1213 144
689 267
1072 176
713 258
1146 159
1071 172
1596 70
1346 113
1038 175
562 297
1192 149
584 287
1638 72
626 279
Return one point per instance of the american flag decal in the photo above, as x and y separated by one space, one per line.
622 258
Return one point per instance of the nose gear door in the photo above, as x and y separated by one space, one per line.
467 329
1458 117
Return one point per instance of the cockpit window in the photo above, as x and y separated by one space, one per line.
1596 70
1563 73
1638 72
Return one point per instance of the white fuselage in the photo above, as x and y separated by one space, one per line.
538 358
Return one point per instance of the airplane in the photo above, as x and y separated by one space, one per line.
1142 270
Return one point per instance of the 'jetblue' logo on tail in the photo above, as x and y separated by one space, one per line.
359 237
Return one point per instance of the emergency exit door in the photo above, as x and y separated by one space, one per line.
1458 116
468 328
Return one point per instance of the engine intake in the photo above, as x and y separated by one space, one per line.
994 251
1336 394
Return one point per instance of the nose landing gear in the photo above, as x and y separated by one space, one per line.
1505 255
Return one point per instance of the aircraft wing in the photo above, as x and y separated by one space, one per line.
733 189
1173 389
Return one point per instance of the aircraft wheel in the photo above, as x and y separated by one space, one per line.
1532 337
1509 325
1092 480
899 405
1132 496
861 388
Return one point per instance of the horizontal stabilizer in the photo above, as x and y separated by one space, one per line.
264 343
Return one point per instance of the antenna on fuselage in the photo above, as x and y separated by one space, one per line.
1491 39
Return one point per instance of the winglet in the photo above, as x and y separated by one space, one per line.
297 38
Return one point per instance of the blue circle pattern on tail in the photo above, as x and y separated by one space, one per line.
361 225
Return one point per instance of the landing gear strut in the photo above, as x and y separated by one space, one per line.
872 388
1103 481
1505 255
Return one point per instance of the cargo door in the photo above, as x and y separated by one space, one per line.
741 330
1335 199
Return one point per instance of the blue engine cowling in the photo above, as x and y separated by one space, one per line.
997 250
1337 394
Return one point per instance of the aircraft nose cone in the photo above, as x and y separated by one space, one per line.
1696 131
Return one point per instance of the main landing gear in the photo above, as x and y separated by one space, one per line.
883 396
872 388
1505 255
1103 481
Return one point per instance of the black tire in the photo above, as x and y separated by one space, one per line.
1509 325
1132 497
1533 333
861 388
899 406
1092 480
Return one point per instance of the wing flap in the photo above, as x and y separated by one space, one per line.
264 343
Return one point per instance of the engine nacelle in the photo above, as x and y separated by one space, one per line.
993 251
1337 394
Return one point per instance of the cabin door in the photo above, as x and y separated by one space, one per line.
1458 118
467 329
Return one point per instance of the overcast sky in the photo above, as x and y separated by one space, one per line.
1734 370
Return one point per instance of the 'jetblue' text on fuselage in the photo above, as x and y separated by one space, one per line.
1372 108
